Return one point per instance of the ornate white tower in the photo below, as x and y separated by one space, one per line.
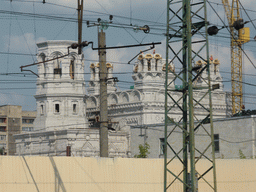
60 88
214 73
94 83
149 72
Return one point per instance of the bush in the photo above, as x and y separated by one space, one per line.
144 151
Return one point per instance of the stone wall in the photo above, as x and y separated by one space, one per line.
237 133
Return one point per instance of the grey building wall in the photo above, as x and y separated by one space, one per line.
83 142
237 133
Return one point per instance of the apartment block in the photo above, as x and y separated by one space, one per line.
13 121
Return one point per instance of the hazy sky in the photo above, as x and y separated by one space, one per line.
19 34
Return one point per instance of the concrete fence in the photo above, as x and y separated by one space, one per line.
50 174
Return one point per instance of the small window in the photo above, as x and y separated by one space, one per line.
26 129
161 146
2 137
2 120
3 129
217 142
57 108
42 110
27 121
74 108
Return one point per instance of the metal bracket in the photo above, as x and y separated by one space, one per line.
152 47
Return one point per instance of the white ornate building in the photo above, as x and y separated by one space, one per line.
67 116
60 88
61 110
144 104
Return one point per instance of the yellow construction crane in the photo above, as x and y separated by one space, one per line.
239 36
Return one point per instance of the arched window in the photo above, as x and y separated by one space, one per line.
149 65
41 109
93 73
43 64
72 68
74 108
57 108
57 65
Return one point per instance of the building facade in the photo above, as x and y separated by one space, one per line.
61 121
13 121
67 117
143 104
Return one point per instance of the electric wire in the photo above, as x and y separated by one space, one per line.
23 35
34 19
9 45
74 20
232 35
247 14
250 10
118 22
162 24
64 26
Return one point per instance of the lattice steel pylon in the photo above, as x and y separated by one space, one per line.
186 42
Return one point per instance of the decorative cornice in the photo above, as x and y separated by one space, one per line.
55 43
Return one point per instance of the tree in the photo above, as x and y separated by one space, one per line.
144 151
2 151
241 155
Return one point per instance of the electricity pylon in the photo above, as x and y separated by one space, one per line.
186 42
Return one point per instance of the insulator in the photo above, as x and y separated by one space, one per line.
74 45
87 23
238 24
136 28
99 19
146 30
84 44
213 30
104 25
110 17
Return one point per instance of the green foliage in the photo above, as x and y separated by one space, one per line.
144 151
241 155
1 151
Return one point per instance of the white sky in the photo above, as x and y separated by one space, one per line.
19 34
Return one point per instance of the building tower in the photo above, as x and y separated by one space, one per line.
149 72
94 83
215 75
60 88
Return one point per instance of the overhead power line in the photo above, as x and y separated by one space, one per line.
247 14
231 35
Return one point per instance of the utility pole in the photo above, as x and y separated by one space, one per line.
80 5
103 95
103 81
104 77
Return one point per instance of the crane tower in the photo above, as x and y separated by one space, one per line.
239 36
